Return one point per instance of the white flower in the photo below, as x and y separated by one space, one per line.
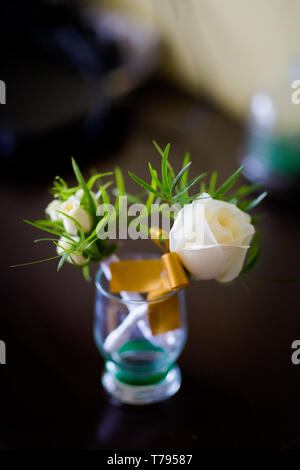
72 208
79 195
52 209
65 244
211 238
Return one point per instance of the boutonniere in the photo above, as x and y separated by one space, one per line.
210 227
203 230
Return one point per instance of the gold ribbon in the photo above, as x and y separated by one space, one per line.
157 278
148 275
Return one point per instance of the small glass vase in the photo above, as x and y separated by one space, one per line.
140 365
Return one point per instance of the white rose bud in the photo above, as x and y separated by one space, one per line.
52 209
72 208
211 238
64 244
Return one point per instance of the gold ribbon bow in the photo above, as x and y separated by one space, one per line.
157 277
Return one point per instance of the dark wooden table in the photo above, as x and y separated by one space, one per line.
240 389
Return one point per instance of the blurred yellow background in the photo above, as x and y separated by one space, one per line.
227 49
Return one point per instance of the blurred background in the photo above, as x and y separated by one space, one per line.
98 80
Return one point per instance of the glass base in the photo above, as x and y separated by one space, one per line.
143 394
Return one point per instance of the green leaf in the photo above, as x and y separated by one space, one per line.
105 196
37 240
93 251
50 223
120 186
91 207
82 264
168 177
245 190
34 262
196 196
250 265
151 196
102 223
68 251
228 183
171 174
46 229
164 169
190 184
60 181
256 218
120 181
180 175
91 238
233 200
255 202
85 246
62 261
144 184
243 204
94 178
106 220
86 272
61 190
253 253
155 177
184 179
158 148
105 186
78 225
212 182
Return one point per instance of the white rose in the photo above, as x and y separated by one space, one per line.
72 208
64 244
211 238
52 209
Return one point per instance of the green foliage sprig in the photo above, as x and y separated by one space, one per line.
88 244
168 189
165 186
175 189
